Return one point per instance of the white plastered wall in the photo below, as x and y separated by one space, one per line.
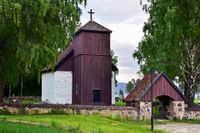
48 86
113 88
57 87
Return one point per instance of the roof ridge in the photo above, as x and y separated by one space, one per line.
149 86
93 26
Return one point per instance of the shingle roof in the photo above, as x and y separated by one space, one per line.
93 26
141 87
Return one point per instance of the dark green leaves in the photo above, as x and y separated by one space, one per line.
33 31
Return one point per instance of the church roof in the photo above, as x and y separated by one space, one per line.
90 26
144 86
93 26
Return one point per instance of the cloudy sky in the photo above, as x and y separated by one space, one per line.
126 19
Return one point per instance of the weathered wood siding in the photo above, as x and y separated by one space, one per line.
92 67
163 88
96 75
90 63
67 65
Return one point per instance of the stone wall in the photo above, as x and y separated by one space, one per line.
192 115
192 112
175 110
144 110
124 112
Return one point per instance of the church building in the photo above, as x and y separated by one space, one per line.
84 73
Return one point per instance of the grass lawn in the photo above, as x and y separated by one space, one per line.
8 127
84 123
188 121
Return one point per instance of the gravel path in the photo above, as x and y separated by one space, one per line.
179 128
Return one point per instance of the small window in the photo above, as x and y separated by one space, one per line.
96 96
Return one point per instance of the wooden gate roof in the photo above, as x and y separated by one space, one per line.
161 86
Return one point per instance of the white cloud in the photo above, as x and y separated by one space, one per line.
125 18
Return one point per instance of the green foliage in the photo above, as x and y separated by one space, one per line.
171 42
156 112
57 111
32 31
120 103
8 127
131 84
84 123
121 94
115 62
197 101
192 121
99 131
30 101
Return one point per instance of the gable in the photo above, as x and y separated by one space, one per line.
163 87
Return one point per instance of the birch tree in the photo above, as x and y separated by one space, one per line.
171 42
31 32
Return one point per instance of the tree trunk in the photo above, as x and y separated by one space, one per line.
21 88
191 69
1 91
190 88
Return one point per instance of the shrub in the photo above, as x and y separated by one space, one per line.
156 111
57 111
120 104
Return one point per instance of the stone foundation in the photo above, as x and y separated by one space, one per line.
192 115
142 110
175 110
124 112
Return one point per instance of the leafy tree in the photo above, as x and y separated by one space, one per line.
31 32
114 61
121 94
131 84
171 42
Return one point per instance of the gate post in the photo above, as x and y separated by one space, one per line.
175 110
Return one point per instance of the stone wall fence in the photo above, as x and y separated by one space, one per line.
142 110
192 113
124 112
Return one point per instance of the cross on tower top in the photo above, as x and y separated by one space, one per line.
91 12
